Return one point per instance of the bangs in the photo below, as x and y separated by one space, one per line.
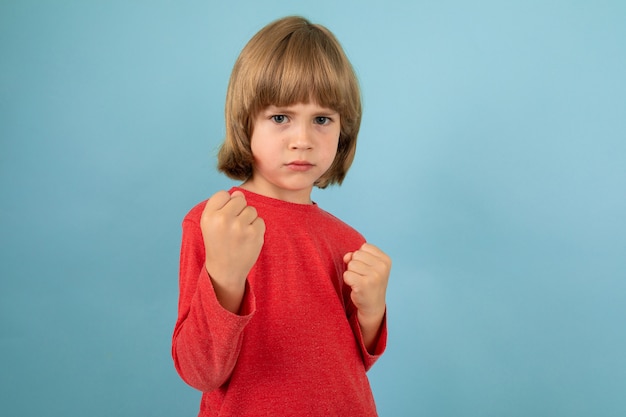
304 67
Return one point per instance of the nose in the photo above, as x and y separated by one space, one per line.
301 138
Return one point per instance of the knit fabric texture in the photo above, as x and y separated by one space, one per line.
295 348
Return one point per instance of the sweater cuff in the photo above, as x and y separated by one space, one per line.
246 311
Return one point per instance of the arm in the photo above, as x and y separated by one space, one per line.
367 275
209 332
207 337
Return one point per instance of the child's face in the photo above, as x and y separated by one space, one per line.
292 146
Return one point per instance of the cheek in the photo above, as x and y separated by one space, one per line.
258 155
334 144
330 151
256 142
264 153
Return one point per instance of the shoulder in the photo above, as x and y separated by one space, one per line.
337 227
195 213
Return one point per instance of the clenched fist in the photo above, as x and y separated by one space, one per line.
233 237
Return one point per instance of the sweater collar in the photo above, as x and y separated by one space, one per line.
259 199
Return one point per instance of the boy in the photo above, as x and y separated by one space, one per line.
282 305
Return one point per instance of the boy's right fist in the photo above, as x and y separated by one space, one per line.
233 237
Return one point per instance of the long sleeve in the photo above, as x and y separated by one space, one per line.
207 338
296 346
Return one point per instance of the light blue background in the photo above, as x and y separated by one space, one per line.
491 167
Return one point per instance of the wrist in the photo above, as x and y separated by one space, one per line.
229 294
371 318
370 324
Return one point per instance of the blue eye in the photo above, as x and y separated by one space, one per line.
279 118
322 120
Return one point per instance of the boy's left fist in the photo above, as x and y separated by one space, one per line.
367 274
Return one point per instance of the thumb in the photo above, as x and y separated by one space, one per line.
347 257
237 193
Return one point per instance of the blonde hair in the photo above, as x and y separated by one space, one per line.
290 61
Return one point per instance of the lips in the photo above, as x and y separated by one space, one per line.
299 165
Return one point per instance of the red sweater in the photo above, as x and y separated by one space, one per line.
296 348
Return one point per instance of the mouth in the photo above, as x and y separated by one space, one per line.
299 165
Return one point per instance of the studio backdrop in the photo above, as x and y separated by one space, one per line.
491 166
